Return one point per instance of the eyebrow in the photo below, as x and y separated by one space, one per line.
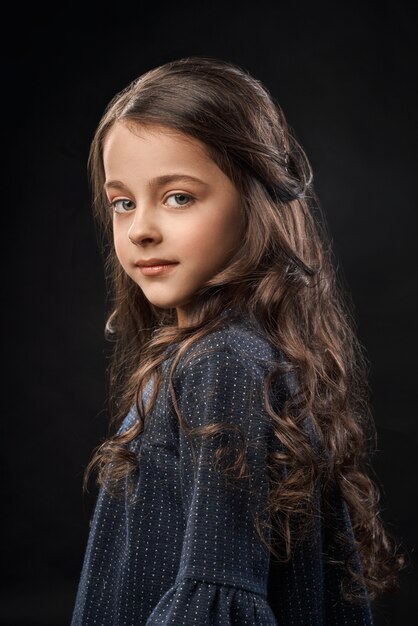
158 181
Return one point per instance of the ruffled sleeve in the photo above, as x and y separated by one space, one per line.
202 603
223 570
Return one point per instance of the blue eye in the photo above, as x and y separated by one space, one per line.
182 195
122 206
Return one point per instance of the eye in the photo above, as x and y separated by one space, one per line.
122 205
181 196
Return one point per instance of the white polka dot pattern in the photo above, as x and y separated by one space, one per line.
185 552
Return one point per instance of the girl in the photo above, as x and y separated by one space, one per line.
233 487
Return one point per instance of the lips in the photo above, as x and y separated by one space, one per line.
155 262
157 270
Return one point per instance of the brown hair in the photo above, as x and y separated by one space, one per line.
283 276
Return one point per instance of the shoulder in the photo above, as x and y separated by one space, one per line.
239 343
221 378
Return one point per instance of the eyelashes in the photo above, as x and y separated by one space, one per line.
116 204
184 195
123 205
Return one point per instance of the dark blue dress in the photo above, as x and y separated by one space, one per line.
185 551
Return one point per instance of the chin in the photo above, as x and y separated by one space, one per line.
162 304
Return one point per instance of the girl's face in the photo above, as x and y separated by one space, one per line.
160 213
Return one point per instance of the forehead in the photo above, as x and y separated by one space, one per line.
153 151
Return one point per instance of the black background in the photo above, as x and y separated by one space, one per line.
345 75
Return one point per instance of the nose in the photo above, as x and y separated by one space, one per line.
143 228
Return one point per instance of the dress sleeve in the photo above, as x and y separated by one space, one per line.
223 570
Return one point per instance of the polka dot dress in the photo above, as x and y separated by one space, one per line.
184 550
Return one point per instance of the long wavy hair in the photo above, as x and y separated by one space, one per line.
283 276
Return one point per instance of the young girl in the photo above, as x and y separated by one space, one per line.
234 486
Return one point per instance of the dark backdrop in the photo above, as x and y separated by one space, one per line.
345 75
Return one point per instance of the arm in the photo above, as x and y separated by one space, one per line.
223 571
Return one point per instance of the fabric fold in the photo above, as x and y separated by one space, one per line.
203 603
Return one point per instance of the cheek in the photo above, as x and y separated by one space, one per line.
202 238
119 244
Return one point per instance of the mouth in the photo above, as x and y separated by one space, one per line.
153 270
